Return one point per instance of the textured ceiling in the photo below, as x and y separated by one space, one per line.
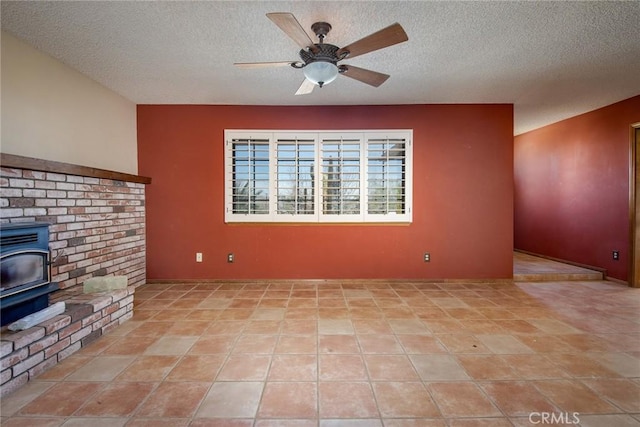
552 60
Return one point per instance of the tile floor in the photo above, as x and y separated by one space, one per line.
528 267
353 354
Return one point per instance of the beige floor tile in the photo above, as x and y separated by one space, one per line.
573 396
346 400
401 312
33 421
479 326
338 344
289 400
231 400
97 347
213 344
608 421
623 364
269 314
300 327
266 327
462 343
533 366
379 344
335 326
117 399
151 328
226 327
553 326
93 422
420 344
542 343
621 392
504 344
390 367
517 398
148 368
174 400
487 367
188 327
221 422
408 326
171 345
297 344
351 423
236 314
263 344
196 368
463 399
480 422
445 325
341 367
372 326
12 403
438 367
101 368
293 367
414 422
130 345
63 399
245 367
580 365
158 422
404 400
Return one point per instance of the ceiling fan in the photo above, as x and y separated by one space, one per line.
320 60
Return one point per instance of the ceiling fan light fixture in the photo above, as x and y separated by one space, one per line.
320 72
319 61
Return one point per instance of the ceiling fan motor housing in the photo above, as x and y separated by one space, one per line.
326 53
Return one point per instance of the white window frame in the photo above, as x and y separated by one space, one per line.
318 215
278 137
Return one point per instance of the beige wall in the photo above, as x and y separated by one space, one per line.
51 111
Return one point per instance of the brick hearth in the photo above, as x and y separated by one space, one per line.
26 354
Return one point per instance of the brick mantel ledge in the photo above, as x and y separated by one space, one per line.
22 162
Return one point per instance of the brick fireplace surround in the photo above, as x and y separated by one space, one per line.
97 228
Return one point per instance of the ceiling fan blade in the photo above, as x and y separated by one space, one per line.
306 87
369 77
291 27
386 37
263 64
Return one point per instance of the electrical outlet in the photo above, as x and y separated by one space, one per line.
198 256
616 255
427 257
230 258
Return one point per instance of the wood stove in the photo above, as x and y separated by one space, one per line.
25 270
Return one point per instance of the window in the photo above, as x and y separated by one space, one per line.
250 175
340 160
328 176
295 182
386 163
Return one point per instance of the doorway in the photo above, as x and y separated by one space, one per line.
634 205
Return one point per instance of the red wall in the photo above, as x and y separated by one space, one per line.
572 188
463 197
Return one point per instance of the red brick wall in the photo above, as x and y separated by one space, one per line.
97 225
